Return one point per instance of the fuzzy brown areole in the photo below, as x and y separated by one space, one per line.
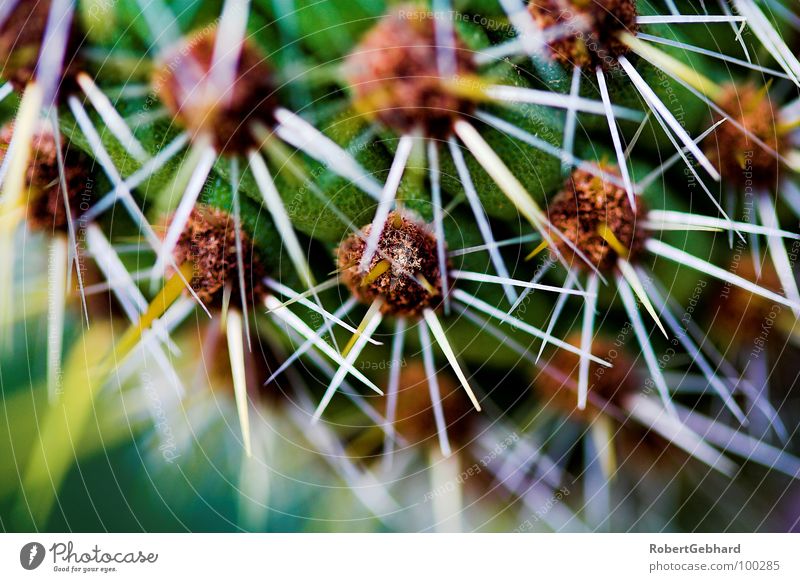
21 37
394 75
610 385
46 208
209 241
414 418
583 206
740 316
599 46
636 447
183 83
410 250
738 157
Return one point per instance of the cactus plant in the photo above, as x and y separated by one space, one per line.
244 225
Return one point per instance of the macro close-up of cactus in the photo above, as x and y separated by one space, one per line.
413 266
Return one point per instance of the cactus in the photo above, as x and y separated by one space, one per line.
402 266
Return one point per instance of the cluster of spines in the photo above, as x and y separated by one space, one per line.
402 268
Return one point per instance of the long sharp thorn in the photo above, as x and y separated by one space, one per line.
675 217
53 48
780 258
73 251
540 144
494 331
6 90
149 318
697 355
634 140
149 168
587 335
372 320
438 221
784 13
737 30
612 127
688 19
124 288
284 290
392 387
629 302
662 249
297 297
228 43
481 278
658 106
638 288
480 305
769 37
690 167
105 161
298 325
280 217
741 444
387 199
515 191
441 338
350 392
237 226
57 294
307 344
112 119
526 238
433 389
557 309
666 226
713 54
445 39
235 336
571 120
298 132
550 99
181 216
727 116
481 218
668 426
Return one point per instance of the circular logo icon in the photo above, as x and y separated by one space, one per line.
31 555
